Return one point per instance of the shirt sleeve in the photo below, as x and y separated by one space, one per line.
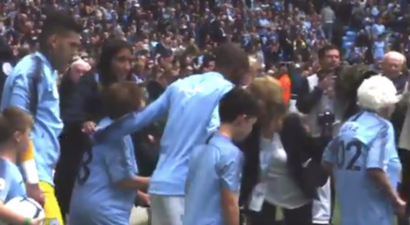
376 157
330 153
215 120
229 168
119 162
135 121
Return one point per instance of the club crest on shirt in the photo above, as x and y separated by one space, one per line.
2 184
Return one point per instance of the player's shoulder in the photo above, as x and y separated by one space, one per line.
6 169
24 66
201 85
229 152
366 127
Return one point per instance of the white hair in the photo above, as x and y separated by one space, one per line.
377 92
395 56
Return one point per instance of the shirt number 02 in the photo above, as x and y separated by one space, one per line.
341 155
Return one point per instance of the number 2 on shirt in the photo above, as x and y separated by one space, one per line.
355 146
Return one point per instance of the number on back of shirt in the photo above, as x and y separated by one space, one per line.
84 170
348 155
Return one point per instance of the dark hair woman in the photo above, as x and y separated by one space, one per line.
81 107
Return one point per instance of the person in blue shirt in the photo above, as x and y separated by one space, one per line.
108 182
15 128
32 86
364 160
192 108
212 186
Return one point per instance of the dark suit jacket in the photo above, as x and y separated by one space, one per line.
298 153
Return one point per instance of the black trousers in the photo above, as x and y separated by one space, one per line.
72 145
267 216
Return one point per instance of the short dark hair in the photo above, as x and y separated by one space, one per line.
237 102
13 119
322 52
58 22
121 98
230 55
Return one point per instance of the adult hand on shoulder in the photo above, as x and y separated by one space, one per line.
34 192
88 127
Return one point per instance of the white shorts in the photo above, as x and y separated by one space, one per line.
167 210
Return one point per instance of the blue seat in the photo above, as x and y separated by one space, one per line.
351 33
347 45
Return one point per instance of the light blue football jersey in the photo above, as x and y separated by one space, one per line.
97 199
11 181
365 141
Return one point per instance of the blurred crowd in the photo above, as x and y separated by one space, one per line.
174 38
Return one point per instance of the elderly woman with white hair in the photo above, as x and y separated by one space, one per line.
364 160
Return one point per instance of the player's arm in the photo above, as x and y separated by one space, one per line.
229 168
376 159
7 215
135 121
215 121
20 97
121 170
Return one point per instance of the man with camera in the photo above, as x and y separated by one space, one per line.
316 100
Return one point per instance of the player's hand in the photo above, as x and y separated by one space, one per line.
400 207
151 139
88 127
34 192
37 221
144 198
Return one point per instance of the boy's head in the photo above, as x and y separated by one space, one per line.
239 110
15 128
122 98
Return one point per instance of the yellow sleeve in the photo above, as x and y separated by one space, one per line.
28 164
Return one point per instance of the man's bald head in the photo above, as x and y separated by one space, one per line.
392 64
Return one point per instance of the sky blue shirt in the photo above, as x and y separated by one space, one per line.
96 199
378 29
365 141
48 125
191 105
379 47
11 181
211 167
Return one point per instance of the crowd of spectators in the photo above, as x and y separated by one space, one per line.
174 38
